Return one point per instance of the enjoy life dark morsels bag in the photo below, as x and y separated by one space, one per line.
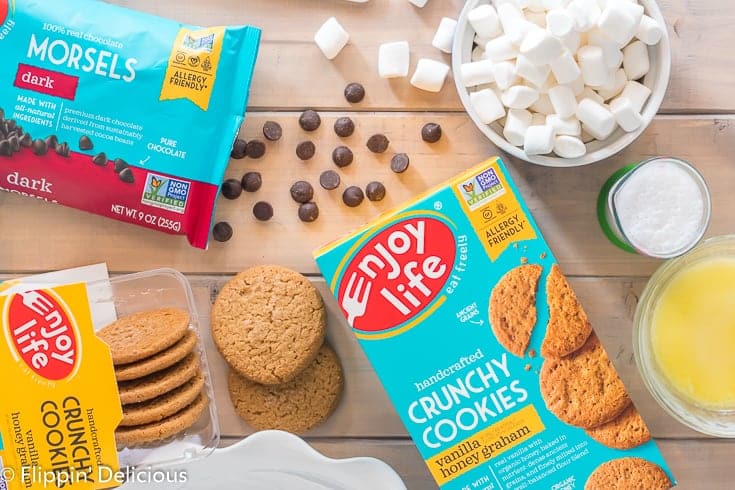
120 113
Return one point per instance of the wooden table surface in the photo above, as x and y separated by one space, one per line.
696 123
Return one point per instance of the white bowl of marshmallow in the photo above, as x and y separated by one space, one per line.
561 83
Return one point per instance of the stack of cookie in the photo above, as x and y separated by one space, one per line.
159 377
269 323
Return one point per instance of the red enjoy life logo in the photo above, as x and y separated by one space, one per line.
397 274
42 334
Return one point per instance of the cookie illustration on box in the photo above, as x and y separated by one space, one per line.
626 431
568 327
513 308
628 474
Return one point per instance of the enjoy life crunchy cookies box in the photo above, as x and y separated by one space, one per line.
483 347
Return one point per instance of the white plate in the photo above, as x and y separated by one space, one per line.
276 460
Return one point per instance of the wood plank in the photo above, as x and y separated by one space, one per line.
699 29
40 236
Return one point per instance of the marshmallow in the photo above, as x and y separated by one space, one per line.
613 55
543 105
478 53
592 63
598 120
614 86
537 18
541 47
536 74
585 13
516 124
488 106
429 75
554 4
544 87
331 38
505 74
625 114
539 140
617 24
577 86
562 98
637 94
569 147
565 68
419 3
572 41
393 59
630 6
559 22
501 49
649 31
635 60
515 25
569 126
477 73
519 97
444 36
538 119
484 20
588 93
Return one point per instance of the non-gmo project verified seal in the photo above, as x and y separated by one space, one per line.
166 193
481 189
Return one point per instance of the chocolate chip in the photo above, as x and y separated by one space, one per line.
100 159
120 165
310 120
126 175
26 141
231 189
342 156
14 143
375 191
344 127
63 149
255 149
353 196
431 133
5 148
239 149
272 131
302 192
399 163
330 180
305 150
378 143
354 93
251 181
51 142
308 212
263 211
222 231
10 125
39 147
85 143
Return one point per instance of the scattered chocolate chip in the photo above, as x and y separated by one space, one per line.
310 120
375 191
342 156
14 143
51 142
308 212
39 147
305 150
354 93
85 143
100 159
353 196
344 127
431 133
255 149
222 231
272 131
239 149
378 143
26 141
5 148
329 180
231 189
126 175
251 181
263 211
120 165
399 163
302 192
63 149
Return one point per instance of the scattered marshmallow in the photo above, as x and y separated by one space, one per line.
649 31
526 69
630 6
331 38
625 114
500 49
635 60
516 125
505 74
519 97
566 69
614 86
636 93
541 47
478 72
559 22
564 126
484 20
539 140
487 105
592 63
543 105
569 147
393 59
617 24
419 3
598 120
430 75
563 100
444 37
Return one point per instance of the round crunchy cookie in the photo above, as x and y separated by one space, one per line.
297 406
140 335
628 474
513 308
157 362
163 406
268 323
625 431
157 384
583 389
568 328
157 431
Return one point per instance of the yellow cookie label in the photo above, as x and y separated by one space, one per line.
192 66
60 402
